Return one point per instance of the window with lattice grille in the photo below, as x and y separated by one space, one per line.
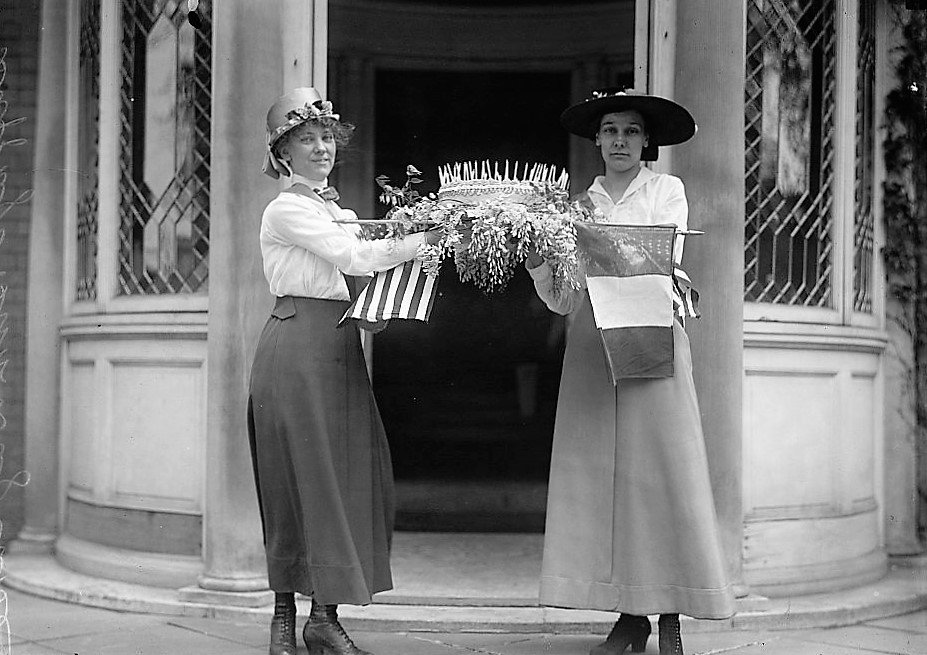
863 221
789 116
88 141
165 100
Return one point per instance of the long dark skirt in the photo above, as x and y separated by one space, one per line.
321 460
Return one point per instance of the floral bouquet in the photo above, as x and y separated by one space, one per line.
502 230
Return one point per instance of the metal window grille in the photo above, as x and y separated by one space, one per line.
863 222
789 117
88 150
165 158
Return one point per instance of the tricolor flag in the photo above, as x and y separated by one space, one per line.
405 291
629 275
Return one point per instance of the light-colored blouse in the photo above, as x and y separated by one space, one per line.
650 199
305 252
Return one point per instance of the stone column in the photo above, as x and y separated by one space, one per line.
901 468
257 55
710 83
45 293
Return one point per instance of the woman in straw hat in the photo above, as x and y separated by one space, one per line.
631 523
321 460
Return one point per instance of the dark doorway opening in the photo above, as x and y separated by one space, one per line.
469 400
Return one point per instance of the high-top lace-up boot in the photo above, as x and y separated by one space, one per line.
283 625
670 639
324 635
630 630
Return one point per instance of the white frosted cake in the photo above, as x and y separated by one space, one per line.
475 182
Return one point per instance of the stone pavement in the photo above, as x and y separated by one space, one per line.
457 593
40 626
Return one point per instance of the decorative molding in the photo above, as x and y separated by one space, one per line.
104 327
813 336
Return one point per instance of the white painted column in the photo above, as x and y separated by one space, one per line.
710 83
260 51
45 299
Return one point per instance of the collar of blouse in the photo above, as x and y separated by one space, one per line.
639 181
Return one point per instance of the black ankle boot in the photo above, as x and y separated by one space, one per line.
630 630
670 639
283 625
324 635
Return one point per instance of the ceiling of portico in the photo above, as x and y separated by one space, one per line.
483 30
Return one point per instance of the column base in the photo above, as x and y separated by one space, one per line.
236 592
914 561
30 541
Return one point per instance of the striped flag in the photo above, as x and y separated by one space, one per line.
629 275
405 291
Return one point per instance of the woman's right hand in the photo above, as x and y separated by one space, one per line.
432 237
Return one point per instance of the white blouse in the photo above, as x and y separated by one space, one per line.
305 252
650 199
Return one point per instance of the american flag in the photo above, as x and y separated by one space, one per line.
636 292
404 291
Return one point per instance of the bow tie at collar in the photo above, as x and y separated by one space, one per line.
320 187
328 193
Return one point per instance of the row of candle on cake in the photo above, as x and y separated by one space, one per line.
486 171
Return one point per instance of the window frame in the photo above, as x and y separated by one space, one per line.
842 187
108 300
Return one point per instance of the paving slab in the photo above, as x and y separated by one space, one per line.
40 618
31 648
244 633
872 638
788 646
155 639
916 622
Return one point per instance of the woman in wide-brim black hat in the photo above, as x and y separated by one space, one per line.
321 461
631 524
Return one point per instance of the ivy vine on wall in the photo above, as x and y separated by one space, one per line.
905 213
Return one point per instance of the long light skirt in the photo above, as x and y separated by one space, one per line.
631 523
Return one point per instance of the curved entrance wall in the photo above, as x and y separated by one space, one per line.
812 463
133 433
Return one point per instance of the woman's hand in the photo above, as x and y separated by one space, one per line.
466 235
432 236
533 259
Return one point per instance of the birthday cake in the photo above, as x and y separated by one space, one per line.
475 182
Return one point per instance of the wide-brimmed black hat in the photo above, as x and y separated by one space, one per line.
667 122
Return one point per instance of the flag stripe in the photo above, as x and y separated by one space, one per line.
401 290
412 292
382 307
424 309
375 289
407 289
639 352
631 301
394 281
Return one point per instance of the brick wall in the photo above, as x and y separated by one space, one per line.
19 34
